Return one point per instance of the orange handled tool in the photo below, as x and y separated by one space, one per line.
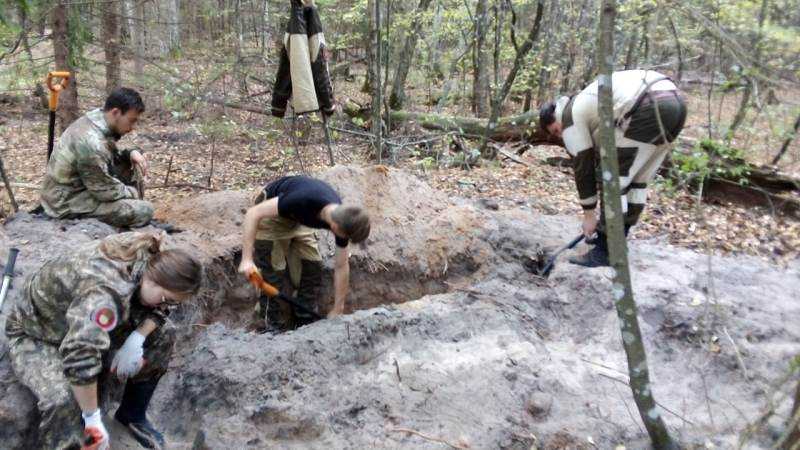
55 91
256 280
272 292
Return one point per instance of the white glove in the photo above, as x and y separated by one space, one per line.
128 360
95 421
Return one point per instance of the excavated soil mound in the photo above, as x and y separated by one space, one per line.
452 341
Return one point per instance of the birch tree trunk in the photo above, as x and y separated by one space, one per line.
68 110
481 76
173 25
618 251
398 96
374 68
793 441
134 10
111 45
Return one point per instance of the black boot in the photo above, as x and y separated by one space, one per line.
597 256
131 413
167 227
308 292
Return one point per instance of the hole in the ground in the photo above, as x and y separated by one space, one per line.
230 300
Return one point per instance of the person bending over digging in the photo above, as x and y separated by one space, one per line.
108 296
649 113
87 176
279 233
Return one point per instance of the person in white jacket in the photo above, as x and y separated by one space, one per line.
649 113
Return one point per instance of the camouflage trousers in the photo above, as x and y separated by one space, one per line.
37 365
126 213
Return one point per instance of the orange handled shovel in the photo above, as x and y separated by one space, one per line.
55 91
272 292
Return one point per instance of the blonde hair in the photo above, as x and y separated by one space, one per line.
175 270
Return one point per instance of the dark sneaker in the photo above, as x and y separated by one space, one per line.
144 432
596 257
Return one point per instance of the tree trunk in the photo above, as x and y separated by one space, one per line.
512 128
522 52
111 45
406 57
68 110
375 70
618 252
23 24
436 43
678 49
748 89
371 47
544 72
481 76
173 26
135 11
630 61
793 441
786 143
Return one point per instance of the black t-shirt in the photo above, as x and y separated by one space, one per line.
302 199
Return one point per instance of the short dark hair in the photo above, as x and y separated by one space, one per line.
353 221
124 99
547 115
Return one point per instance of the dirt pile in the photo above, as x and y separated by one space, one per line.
455 341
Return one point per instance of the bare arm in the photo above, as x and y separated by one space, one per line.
341 280
147 327
86 396
263 210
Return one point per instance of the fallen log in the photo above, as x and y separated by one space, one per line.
514 128
758 186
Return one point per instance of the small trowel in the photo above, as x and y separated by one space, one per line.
542 266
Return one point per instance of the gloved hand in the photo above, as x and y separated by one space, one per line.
129 359
95 431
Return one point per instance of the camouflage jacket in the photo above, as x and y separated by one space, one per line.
80 173
77 301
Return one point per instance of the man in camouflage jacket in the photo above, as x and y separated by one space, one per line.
87 176
75 309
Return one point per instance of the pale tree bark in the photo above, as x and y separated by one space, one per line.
618 252
173 25
375 71
519 60
793 440
134 13
480 72
398 96
111 45
68 110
